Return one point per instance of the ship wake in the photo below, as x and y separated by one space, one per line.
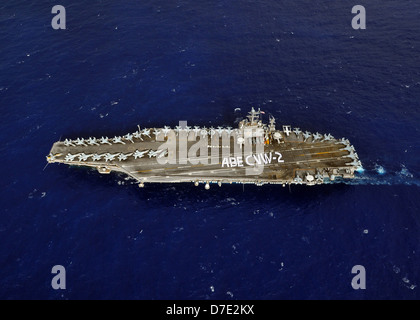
380 176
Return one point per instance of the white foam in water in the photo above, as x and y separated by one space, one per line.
408 283
360 170
379 169
378 177
405 173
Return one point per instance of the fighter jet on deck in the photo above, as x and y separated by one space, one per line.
204 131
196 130
317 136
146 132
129 137
122 156
137 135
307 135
319 176
153 153
328 137
298 180
70 157
83 157
229 130
139 154
177 129
81 142
355 163
219 131
92 141
118 140
110 157
104 141
348 148
156 132
96 157
166 130
69 143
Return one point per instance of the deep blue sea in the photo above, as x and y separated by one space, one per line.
153 63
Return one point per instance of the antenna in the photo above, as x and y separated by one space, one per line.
254 115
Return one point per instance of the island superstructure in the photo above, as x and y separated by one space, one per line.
254 153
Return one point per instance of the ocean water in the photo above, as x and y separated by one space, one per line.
154 63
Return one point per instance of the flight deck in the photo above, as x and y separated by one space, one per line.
253 153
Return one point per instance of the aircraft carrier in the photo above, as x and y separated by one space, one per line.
254 153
